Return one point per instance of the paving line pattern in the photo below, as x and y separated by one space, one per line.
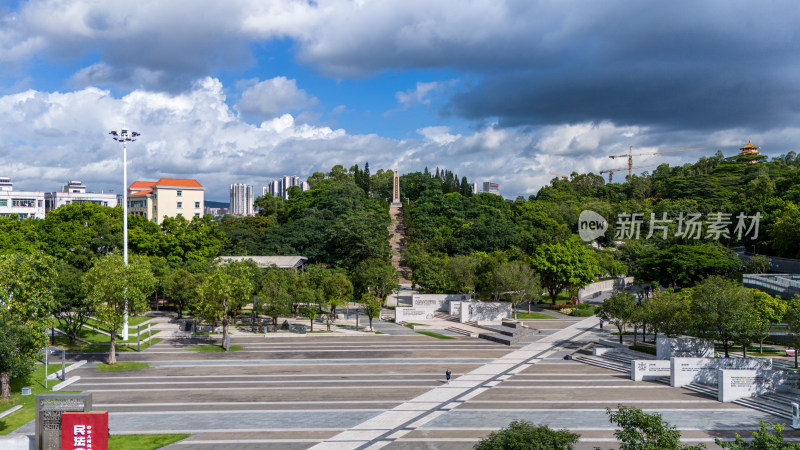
392 425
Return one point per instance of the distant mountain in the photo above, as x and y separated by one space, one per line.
210 204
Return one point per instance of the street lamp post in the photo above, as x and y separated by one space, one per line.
124 136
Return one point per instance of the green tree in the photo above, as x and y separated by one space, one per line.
337 290
757 264
275 297
620 310
72 308
77 234
26 302
641 431
763 439
115 290
268 205
461 271
767 311
309 300
721 310
377 276
521 435
518 282
668 312
229 287
372 306
566 265
685 265
180 285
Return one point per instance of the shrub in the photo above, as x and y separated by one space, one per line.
643 349
525 435
583 312
566 311
560 307
584 306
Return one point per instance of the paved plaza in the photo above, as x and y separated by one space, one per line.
349 391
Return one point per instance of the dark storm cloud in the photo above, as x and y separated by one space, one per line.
729 66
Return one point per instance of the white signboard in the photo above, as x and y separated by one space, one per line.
649 369
455 308
413 315
683 347
704 370
436 302
485 312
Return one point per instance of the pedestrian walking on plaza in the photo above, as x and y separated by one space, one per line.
601 324
447 374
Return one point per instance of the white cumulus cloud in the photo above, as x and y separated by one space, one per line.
270 98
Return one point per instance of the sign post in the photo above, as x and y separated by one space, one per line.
49 408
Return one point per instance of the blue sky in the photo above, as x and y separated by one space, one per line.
245 91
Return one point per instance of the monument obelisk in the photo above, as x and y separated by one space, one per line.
396 191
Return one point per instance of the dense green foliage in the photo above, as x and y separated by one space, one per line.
335 222
521 435
445 225
718 309
763 439
638 430
26 299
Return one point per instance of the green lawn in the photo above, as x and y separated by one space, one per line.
80 347
120 366
533 315
143 441
36 382
214 348
132 322
98 338
411 325
435 335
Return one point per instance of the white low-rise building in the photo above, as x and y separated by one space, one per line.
74 193
22 204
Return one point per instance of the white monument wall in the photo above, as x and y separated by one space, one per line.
412 315
436 302
649 369
735 384
485 312
455 308
704 370
683 347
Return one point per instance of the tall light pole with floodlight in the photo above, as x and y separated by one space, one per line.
124 136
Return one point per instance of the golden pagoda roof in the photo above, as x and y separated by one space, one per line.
749 146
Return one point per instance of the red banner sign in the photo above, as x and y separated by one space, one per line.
84 431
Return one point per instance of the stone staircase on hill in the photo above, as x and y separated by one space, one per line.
397 240
778 404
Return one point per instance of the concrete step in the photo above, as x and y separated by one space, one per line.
605 363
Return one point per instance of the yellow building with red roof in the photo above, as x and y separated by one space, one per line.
167 197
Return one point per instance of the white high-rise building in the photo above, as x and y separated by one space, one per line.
280 187
241 200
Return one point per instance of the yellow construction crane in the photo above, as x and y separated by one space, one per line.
610 172
558 175
630 155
